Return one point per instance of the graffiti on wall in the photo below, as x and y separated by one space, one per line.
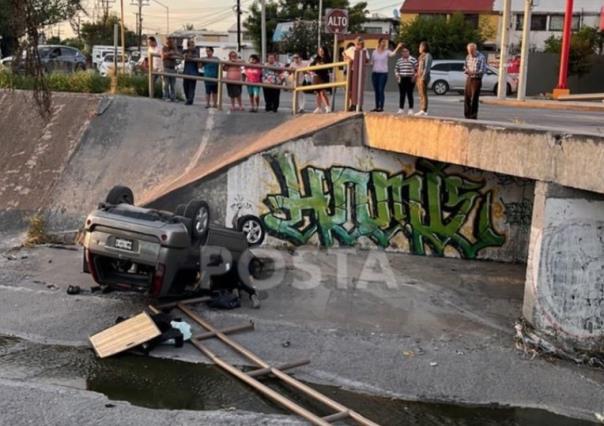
431 207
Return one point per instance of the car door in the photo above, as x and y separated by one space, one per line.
68 59
457 77
489 80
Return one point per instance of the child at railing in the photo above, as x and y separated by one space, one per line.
233 73
253 75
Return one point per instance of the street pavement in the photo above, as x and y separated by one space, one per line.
443 332
451 106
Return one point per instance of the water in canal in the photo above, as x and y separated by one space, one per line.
160 383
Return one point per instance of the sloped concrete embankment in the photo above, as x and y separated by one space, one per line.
63 167
35 152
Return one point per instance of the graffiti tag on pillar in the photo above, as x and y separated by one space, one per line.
430 207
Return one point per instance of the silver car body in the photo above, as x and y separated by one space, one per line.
452 72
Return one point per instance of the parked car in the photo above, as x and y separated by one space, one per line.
99 52
55 58
106 67
447 75
159 252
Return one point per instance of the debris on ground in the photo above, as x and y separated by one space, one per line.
532 344
125 335
73 290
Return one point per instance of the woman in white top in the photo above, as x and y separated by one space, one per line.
379 76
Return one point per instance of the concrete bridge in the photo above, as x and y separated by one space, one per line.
427 186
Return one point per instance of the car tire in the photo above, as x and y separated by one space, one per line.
440 87
253 228
120 195
509 89
199 213
85 267
180 210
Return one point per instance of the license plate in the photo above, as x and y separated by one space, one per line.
124 244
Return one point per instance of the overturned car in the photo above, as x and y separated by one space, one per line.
162 253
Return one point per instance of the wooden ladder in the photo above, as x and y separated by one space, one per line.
341 412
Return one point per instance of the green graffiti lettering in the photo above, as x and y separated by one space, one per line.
430 207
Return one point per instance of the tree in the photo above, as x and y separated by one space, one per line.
583 44
447 37
293 10
101 32
25 19
301 39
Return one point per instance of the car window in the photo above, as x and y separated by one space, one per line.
440 67
66 51
457 66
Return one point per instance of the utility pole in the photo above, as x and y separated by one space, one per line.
526 32
167 15
263 29
238 26
123 37
502 84
319 24
139 16
562 88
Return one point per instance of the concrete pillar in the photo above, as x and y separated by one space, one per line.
564 291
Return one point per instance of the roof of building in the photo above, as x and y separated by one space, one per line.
447 6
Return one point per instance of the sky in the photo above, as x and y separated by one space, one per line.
209 14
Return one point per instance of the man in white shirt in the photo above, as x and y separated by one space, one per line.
155 50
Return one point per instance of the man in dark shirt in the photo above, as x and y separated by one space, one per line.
189 85
168 56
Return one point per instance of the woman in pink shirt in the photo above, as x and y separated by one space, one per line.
379 76
233 73
254 75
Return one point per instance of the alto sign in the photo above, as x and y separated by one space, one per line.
336 21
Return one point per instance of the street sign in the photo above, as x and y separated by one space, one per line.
336 21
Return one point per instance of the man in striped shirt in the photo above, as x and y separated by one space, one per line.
474 68
405 72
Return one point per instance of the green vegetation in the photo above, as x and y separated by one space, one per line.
287 11
447 38
81 82
584 43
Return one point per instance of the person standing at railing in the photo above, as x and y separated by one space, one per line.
321 77
168 57
191 68
233 73
270 76
253 75
297 63
155 50
357 57
379 75
424 65
475 68
405 72
210 70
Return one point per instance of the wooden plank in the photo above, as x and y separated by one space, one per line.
125 335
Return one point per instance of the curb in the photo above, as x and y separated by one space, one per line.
553 105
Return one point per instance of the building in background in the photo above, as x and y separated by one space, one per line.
381 24
548 19
479 12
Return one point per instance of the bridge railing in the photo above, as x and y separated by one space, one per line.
220 81
331 85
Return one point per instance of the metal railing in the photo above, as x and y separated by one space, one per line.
295 88
331 85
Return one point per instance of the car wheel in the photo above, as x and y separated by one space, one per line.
440 87
253 229
120 195
509 89
199 213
